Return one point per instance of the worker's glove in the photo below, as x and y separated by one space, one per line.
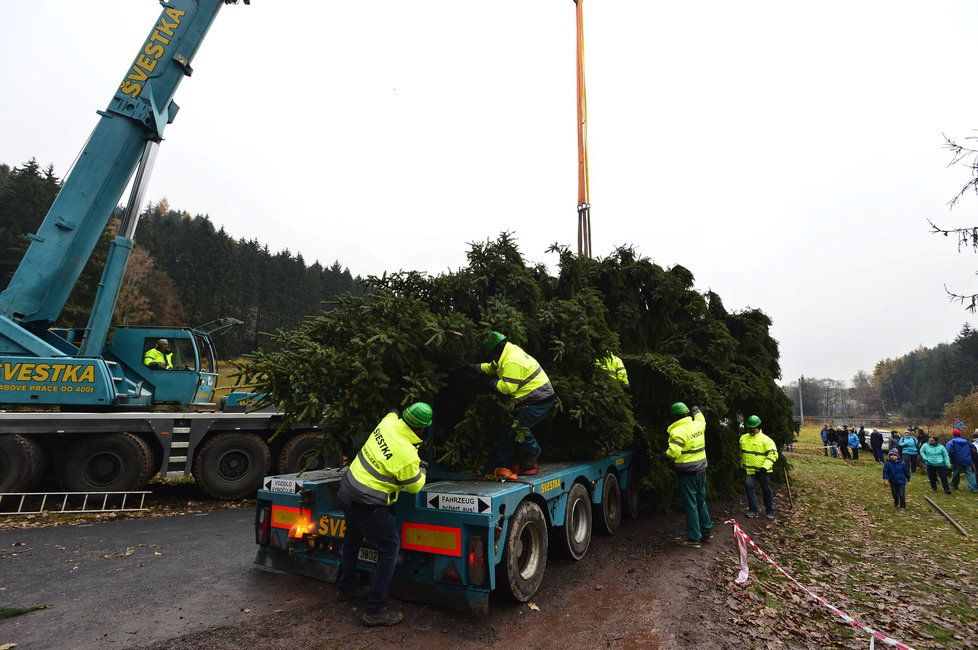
489 384
760 470
694 410
424 466
520 436
475 368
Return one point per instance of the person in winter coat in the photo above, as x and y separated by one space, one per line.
922 438
896 475
908 450
936 460
824 434
961 461
854 444
833 441
862 439
876 442
974 450
844 441
894 442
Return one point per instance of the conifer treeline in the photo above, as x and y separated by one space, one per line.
183 270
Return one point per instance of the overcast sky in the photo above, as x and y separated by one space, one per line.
787 153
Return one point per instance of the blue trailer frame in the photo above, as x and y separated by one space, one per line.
455 533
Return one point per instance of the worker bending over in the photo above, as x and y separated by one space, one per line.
387 463
518 375
687 449
616 368
758 454
160 357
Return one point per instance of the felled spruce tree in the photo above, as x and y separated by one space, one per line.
412 335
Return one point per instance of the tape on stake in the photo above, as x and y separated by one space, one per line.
743 540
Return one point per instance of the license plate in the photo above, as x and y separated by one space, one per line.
367 555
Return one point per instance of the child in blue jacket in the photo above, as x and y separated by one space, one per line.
897 475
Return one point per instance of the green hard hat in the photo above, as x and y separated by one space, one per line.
753 422
490 342
679 409
417 416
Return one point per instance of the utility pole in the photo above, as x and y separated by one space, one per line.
801 404
583 182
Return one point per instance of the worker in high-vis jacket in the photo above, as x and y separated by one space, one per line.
160 357
518 375
387 463
758 453
614 366
687 451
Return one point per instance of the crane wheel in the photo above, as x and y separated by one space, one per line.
304 453
113 462
608 512
525 557
21 463
574 537
231 465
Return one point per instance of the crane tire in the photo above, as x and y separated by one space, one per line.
303 454
21 463
151 468
111 462
608 512
525 556
231 465
574 537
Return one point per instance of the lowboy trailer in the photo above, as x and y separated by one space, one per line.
460 538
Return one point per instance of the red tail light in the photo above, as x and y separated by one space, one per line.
477 562
263 526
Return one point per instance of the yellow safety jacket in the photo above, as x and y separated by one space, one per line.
387 463
757 451
687 444
519 375
155 356
615 368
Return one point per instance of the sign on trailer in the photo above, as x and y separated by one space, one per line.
458 502
288 485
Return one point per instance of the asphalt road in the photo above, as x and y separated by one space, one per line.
136 582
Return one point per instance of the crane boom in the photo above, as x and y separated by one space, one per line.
138 113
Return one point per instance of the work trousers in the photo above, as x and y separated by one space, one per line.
910 460
692 489
969 474
834 450
899 493
765 480
933 473
825 448
878 454
527 416
375 526
855 452
844 450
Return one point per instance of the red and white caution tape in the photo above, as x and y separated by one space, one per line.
743 540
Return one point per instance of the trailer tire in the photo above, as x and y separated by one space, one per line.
302 454
632 494
231 465
574 537
113 462
608 512
21 463
525 558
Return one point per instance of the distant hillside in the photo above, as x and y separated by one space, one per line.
183 270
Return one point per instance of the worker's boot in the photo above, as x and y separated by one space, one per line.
529 470
386 616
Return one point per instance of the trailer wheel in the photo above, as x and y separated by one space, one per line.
632 500
574 537
608 512
21 463
304 453
114 462
231 465
525 557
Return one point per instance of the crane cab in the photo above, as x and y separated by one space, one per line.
193 376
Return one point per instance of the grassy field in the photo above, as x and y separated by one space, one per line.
909 574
